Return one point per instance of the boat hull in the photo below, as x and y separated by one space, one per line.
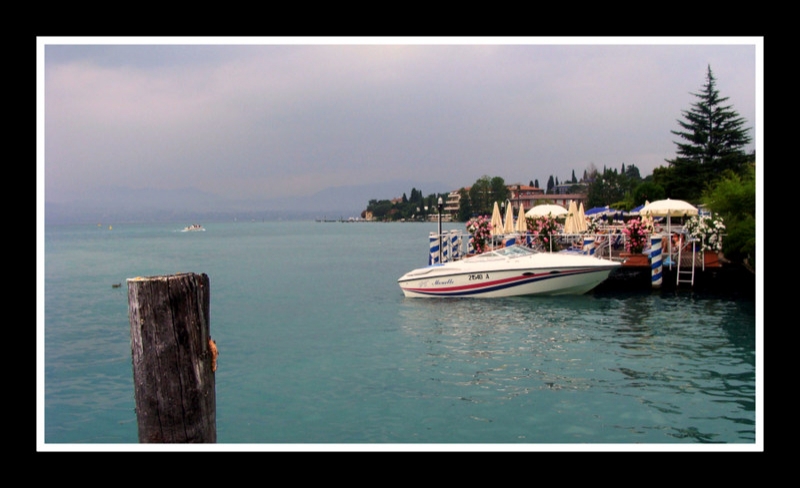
507 272
520 282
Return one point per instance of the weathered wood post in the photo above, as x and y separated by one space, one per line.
174 358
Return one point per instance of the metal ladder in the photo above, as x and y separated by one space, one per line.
680 275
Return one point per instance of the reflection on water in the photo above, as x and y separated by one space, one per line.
674 368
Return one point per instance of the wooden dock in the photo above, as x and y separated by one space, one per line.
714 276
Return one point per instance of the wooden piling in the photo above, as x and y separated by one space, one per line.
174 358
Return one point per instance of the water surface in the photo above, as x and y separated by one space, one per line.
318 347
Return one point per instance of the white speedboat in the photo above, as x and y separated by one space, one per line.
194 228
509 271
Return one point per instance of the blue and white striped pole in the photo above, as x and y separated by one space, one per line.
433 255
455 245
588 245
656 267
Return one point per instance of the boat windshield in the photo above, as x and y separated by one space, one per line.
508 252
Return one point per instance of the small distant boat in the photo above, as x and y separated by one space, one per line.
194 228
506 272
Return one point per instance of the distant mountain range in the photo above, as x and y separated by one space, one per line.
120 204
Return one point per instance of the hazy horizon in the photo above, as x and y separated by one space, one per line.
264 117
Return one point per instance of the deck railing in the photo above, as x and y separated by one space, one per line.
457 245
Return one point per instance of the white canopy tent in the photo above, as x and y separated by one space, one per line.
546 209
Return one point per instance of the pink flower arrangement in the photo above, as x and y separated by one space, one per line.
636 235
480 228
544 230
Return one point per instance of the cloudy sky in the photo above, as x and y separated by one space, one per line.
261 118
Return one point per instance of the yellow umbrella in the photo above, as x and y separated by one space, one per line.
582 219
497 221
571 224
508 226
522 224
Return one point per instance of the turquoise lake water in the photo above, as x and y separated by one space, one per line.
319 349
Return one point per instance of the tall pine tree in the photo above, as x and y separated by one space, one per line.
713 138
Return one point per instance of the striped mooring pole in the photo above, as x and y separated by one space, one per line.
656 266
433 255
455 245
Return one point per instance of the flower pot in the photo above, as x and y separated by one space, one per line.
711 259
635 259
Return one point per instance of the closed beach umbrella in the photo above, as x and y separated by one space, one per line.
497 221
508 226
571 224
546 209
522 225
582 219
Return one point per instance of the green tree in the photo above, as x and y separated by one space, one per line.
647 191
632 172
482 195
607 188
465 211
712 141
416 197
500 191
733 197
380 208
